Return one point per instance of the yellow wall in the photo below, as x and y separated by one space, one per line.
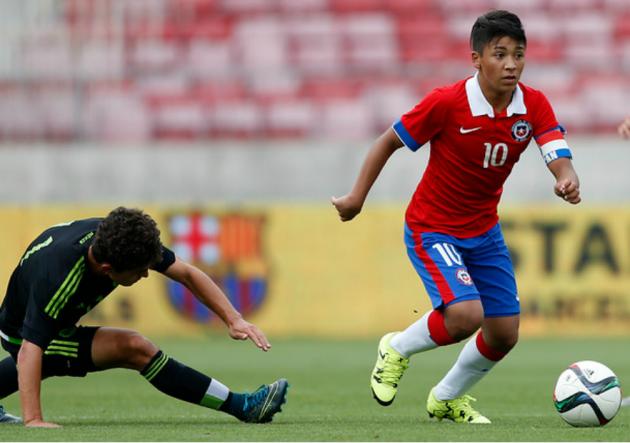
328 278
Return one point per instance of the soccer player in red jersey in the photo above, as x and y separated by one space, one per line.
477 128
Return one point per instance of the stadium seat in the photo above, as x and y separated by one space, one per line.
303 5
100 60
241 119
58 111
20 119
47 57
345 120
150 55
115 114
291 118
344 6
209 59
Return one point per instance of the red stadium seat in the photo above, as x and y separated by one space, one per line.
291 118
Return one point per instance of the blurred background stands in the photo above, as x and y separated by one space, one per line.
149 70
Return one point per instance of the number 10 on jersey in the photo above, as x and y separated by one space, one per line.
496 155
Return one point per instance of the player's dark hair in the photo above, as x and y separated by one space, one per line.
127 239
495 25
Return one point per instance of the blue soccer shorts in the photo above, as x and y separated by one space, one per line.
455 269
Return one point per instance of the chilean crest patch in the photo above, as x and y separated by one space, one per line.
521 130
464 277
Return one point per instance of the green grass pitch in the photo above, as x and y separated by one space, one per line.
329 398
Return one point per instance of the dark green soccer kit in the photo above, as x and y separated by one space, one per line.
50 290
53 287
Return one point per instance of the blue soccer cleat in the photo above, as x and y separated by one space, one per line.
261 405
8 419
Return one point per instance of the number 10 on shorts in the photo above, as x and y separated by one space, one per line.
448 253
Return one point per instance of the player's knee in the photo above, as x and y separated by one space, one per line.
464 328
138 350
463 319
505 341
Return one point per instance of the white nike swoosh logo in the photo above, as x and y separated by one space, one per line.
466 131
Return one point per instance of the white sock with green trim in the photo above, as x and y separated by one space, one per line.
216 394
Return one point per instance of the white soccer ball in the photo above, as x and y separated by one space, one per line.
587 394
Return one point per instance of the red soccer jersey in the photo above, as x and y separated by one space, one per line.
472 153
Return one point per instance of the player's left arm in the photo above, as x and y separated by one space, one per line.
207 291
554 149
567 184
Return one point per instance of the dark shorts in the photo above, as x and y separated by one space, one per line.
70 353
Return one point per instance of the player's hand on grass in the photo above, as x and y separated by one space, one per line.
347 206
624 128
569 190
37 423
241 329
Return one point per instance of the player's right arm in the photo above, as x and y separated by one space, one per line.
44 287
349 205
29 364
413 130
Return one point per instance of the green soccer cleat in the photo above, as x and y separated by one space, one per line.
388 370
8 419
261 405
458 410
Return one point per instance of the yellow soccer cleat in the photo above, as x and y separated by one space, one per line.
389 367
458 410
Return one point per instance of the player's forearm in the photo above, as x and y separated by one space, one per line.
211 295
562 169
29 365
377 157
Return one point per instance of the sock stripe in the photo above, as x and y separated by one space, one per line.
62 348
437 329
487 351
65 342
156 367
211 402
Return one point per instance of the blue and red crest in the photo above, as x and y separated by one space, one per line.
229 248
521 130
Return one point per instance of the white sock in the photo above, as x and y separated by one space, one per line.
414 339
469 368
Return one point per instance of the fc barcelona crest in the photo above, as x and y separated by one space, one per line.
521 130
229 248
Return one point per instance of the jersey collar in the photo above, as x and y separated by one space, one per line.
480 106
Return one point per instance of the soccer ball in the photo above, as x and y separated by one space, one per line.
587 394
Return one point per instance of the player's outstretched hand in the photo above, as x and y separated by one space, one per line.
41 424
624 128
241 329
569 190
347 207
